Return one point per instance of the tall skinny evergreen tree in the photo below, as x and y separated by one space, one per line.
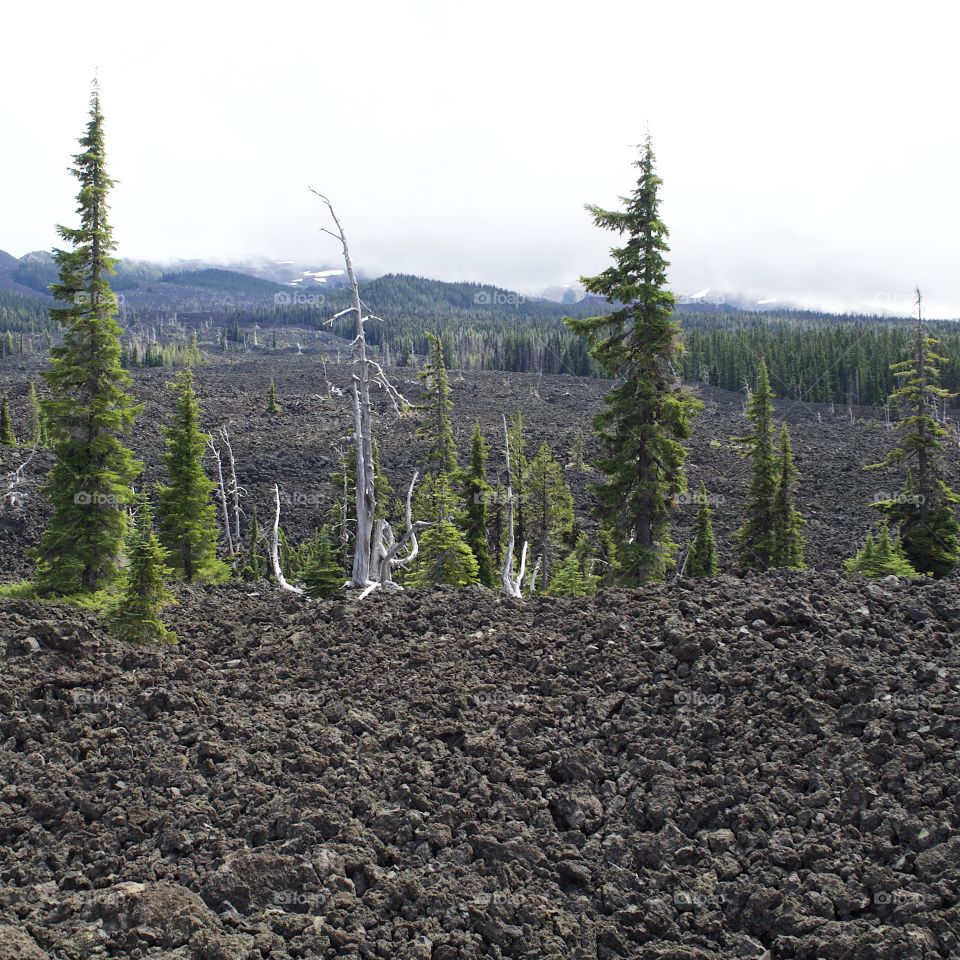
925 513
478 493
437 428
702 559
188 515
90 409
647 414
549 511
788 545
756 543
7 437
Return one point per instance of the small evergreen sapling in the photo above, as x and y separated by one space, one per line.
322 575
881 557
136 616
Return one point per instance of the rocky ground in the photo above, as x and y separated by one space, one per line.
297 448
748 768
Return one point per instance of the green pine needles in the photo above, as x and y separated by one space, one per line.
7 437
881 557
90 409
648 415
925 512
478 493
702 558
135 617
770 536
188 515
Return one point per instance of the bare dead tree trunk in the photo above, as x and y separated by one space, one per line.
233 488
9 494
371 542
275 545
512 587
222 496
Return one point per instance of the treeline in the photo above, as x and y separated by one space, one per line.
818 359
25 324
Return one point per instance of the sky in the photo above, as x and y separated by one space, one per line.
808 151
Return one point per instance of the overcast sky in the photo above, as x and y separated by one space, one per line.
808 154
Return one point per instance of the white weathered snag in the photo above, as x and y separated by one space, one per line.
275 546
375 554
9 495
512 586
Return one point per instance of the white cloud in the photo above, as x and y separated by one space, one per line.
806 152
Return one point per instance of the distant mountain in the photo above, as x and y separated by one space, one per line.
226 281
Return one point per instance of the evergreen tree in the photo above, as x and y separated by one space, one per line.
194 354
33 415
90 408
188 515
647 414
883 557
756 539
865 558
925 513
444 556
272 405
437 427
478 493
702 559
788 545
576 452
136 615
322 575
549 512
7 438
251 568
574 576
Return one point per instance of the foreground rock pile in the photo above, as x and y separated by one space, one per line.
741 769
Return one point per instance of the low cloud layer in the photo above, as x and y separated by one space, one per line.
806 155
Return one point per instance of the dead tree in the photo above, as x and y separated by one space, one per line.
228 493
9 495
376 551
222 496
512 586
275 546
